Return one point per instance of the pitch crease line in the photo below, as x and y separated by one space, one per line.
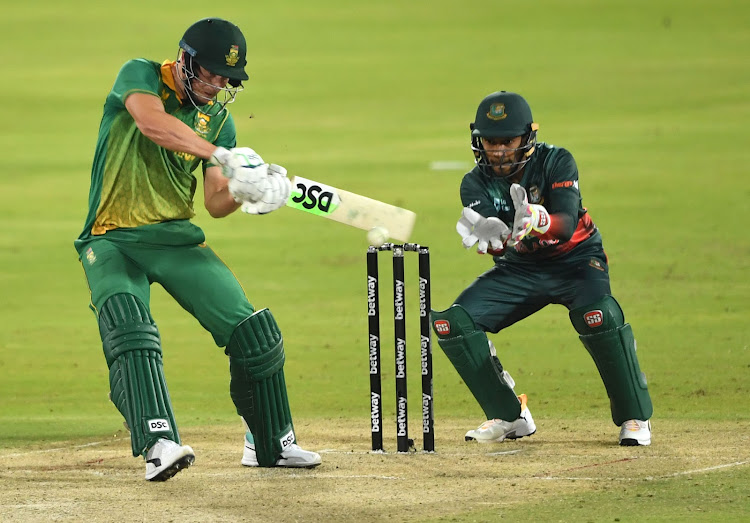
56 449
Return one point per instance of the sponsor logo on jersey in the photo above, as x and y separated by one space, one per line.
497 112
158 425
442 327
234 56
596 264
594 318
500 204
565 184
473 204
90 256
535 195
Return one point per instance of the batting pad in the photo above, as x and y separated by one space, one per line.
611 344
258 389
132 347
469 351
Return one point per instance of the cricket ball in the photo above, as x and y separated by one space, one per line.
377 236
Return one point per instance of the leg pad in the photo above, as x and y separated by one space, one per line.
475 359
258 388
132 347
611 344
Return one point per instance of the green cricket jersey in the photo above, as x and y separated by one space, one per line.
141 192
550 179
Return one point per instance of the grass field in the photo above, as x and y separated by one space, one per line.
652 99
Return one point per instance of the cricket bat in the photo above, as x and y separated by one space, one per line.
350 208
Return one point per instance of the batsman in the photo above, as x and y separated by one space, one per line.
161 122
522 205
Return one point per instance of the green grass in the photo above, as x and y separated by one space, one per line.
651 98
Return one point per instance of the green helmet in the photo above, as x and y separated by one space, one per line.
218 46
503 115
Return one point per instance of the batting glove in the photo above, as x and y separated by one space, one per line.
275 196
485 232
249 184
530 218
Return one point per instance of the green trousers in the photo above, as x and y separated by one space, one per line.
192 274
513 290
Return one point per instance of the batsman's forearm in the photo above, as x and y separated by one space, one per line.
167 131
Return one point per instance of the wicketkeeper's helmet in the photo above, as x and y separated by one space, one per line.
503 115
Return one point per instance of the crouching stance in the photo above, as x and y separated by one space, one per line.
522 205
161 122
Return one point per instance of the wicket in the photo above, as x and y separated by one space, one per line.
374 342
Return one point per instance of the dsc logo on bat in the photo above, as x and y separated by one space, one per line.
314 197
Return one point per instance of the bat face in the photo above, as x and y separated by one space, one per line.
350 208
313 197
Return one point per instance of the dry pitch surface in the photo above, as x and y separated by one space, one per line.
99 481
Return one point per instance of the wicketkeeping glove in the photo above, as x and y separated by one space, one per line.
529 217
485 232
275 196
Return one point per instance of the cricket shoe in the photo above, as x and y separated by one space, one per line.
166 458
294 457
635 432
497 430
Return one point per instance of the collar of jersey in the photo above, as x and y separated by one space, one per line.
168 78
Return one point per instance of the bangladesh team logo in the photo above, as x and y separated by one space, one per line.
497 112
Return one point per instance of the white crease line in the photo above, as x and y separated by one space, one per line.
707 469
41 451
312 475
418 452
646 478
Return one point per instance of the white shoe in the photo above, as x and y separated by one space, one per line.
497 430
635 432
166 458
295 456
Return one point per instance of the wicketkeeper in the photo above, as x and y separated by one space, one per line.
523 206
160 123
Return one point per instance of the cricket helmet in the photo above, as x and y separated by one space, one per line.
218 46
503 115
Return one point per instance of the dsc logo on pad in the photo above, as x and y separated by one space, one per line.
594 318
158 425
442 327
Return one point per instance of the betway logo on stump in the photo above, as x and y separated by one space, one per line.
372 304
375 411
423 297
398 300
401 418
425 343
373 354
400 358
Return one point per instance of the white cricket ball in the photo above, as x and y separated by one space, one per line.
377 236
